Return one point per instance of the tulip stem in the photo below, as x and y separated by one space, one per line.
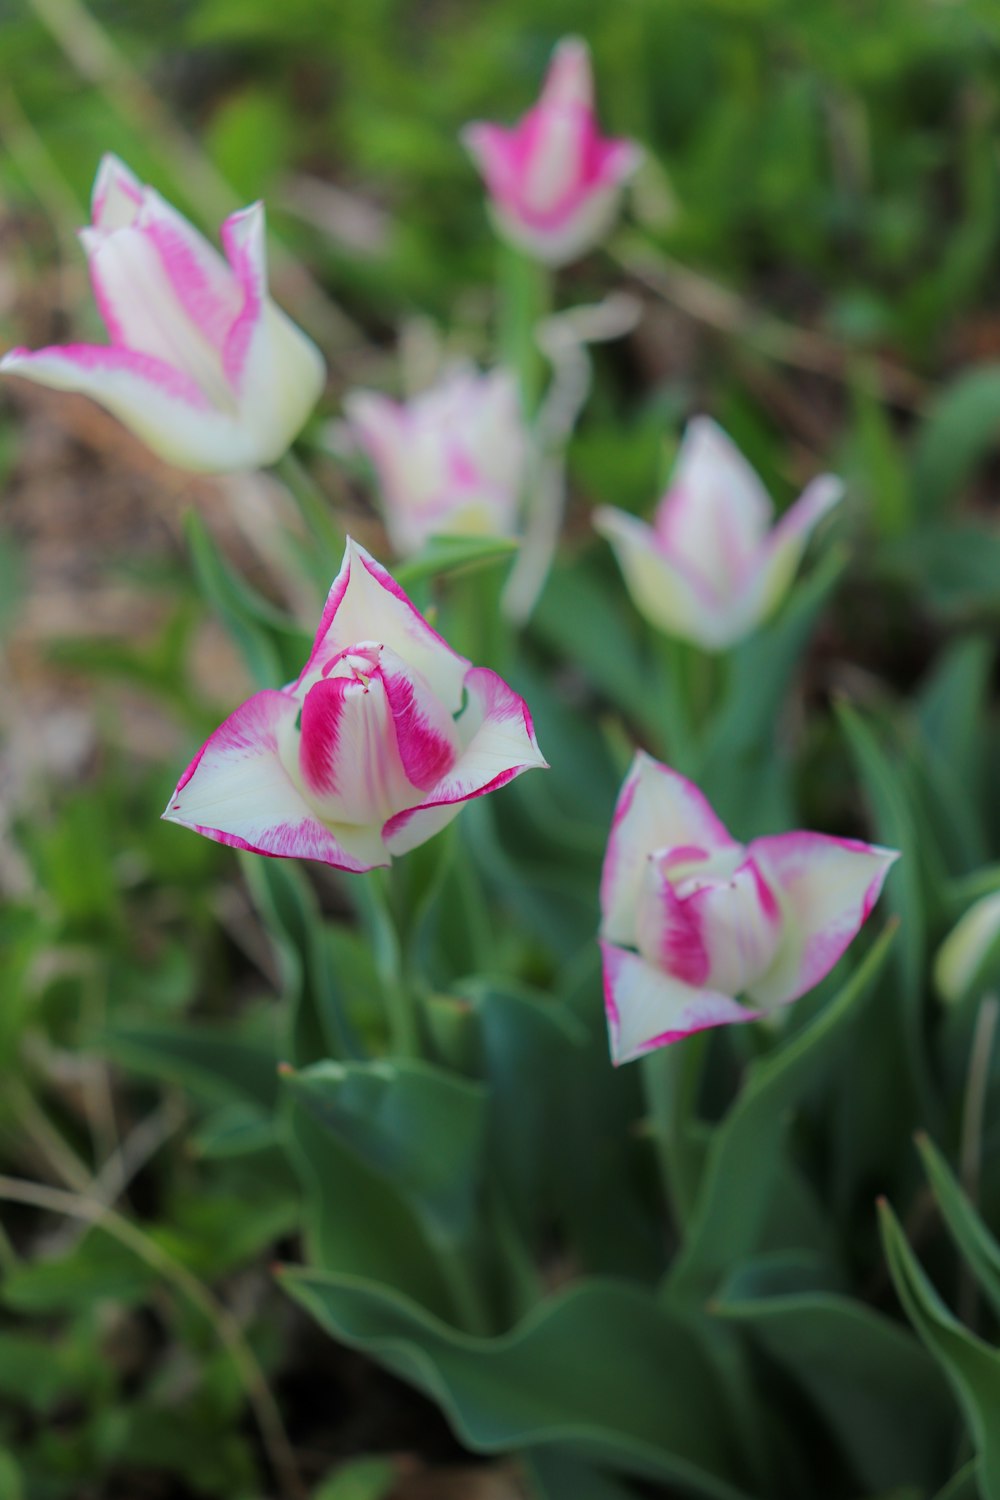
388 949
679 720
524 296
314 507
671 1078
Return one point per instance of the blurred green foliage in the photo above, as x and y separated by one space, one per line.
835 166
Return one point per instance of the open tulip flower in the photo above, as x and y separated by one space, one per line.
713 565
450 461
691 919
554 180
202 365
372 750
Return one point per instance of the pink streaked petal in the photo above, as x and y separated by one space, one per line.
237 792
826 888
669 934
647 1009
244 241
425 731
162 405
656 810
739 924
142 312
664 588
499 742
616 160
202 282
349 756
366 603
782 553
569 80
117 195
715 515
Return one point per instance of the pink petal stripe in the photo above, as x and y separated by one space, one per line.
244 241
80 359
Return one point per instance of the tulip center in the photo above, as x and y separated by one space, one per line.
710 920
371 740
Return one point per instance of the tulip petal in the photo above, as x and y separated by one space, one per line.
664 589
367 604
826 888
237 792
656 810
117 195
499 743
783 549
202 281
274 368
569 82
163 406
715 515
647 1008
141 311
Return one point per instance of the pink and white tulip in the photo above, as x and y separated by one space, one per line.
555 182
373 749
691 919
202 365
450 461
713 565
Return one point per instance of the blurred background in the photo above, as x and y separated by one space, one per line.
815 240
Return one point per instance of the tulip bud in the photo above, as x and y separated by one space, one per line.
554 180
451 461
712 566
202 365
970 954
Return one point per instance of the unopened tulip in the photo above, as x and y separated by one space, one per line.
691 919
202 365
713 565
554 180
970 954
372 750
450 461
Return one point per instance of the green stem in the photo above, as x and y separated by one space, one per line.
314 507
400 1002
671 1077
525 298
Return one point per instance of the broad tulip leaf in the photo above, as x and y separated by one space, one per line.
356 1223
732 1204
555 1475
599 1369
972 1367
962 1486
421 1128
880 1394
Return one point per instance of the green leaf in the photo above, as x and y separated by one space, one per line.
530 1050
313 985
555 1475
882 1397
961 428
272 645
970 1234
454 554
421 1128
360 1479
962 1486
600 1369
738 757
972 1367
98 1267
732 1205
218 1063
